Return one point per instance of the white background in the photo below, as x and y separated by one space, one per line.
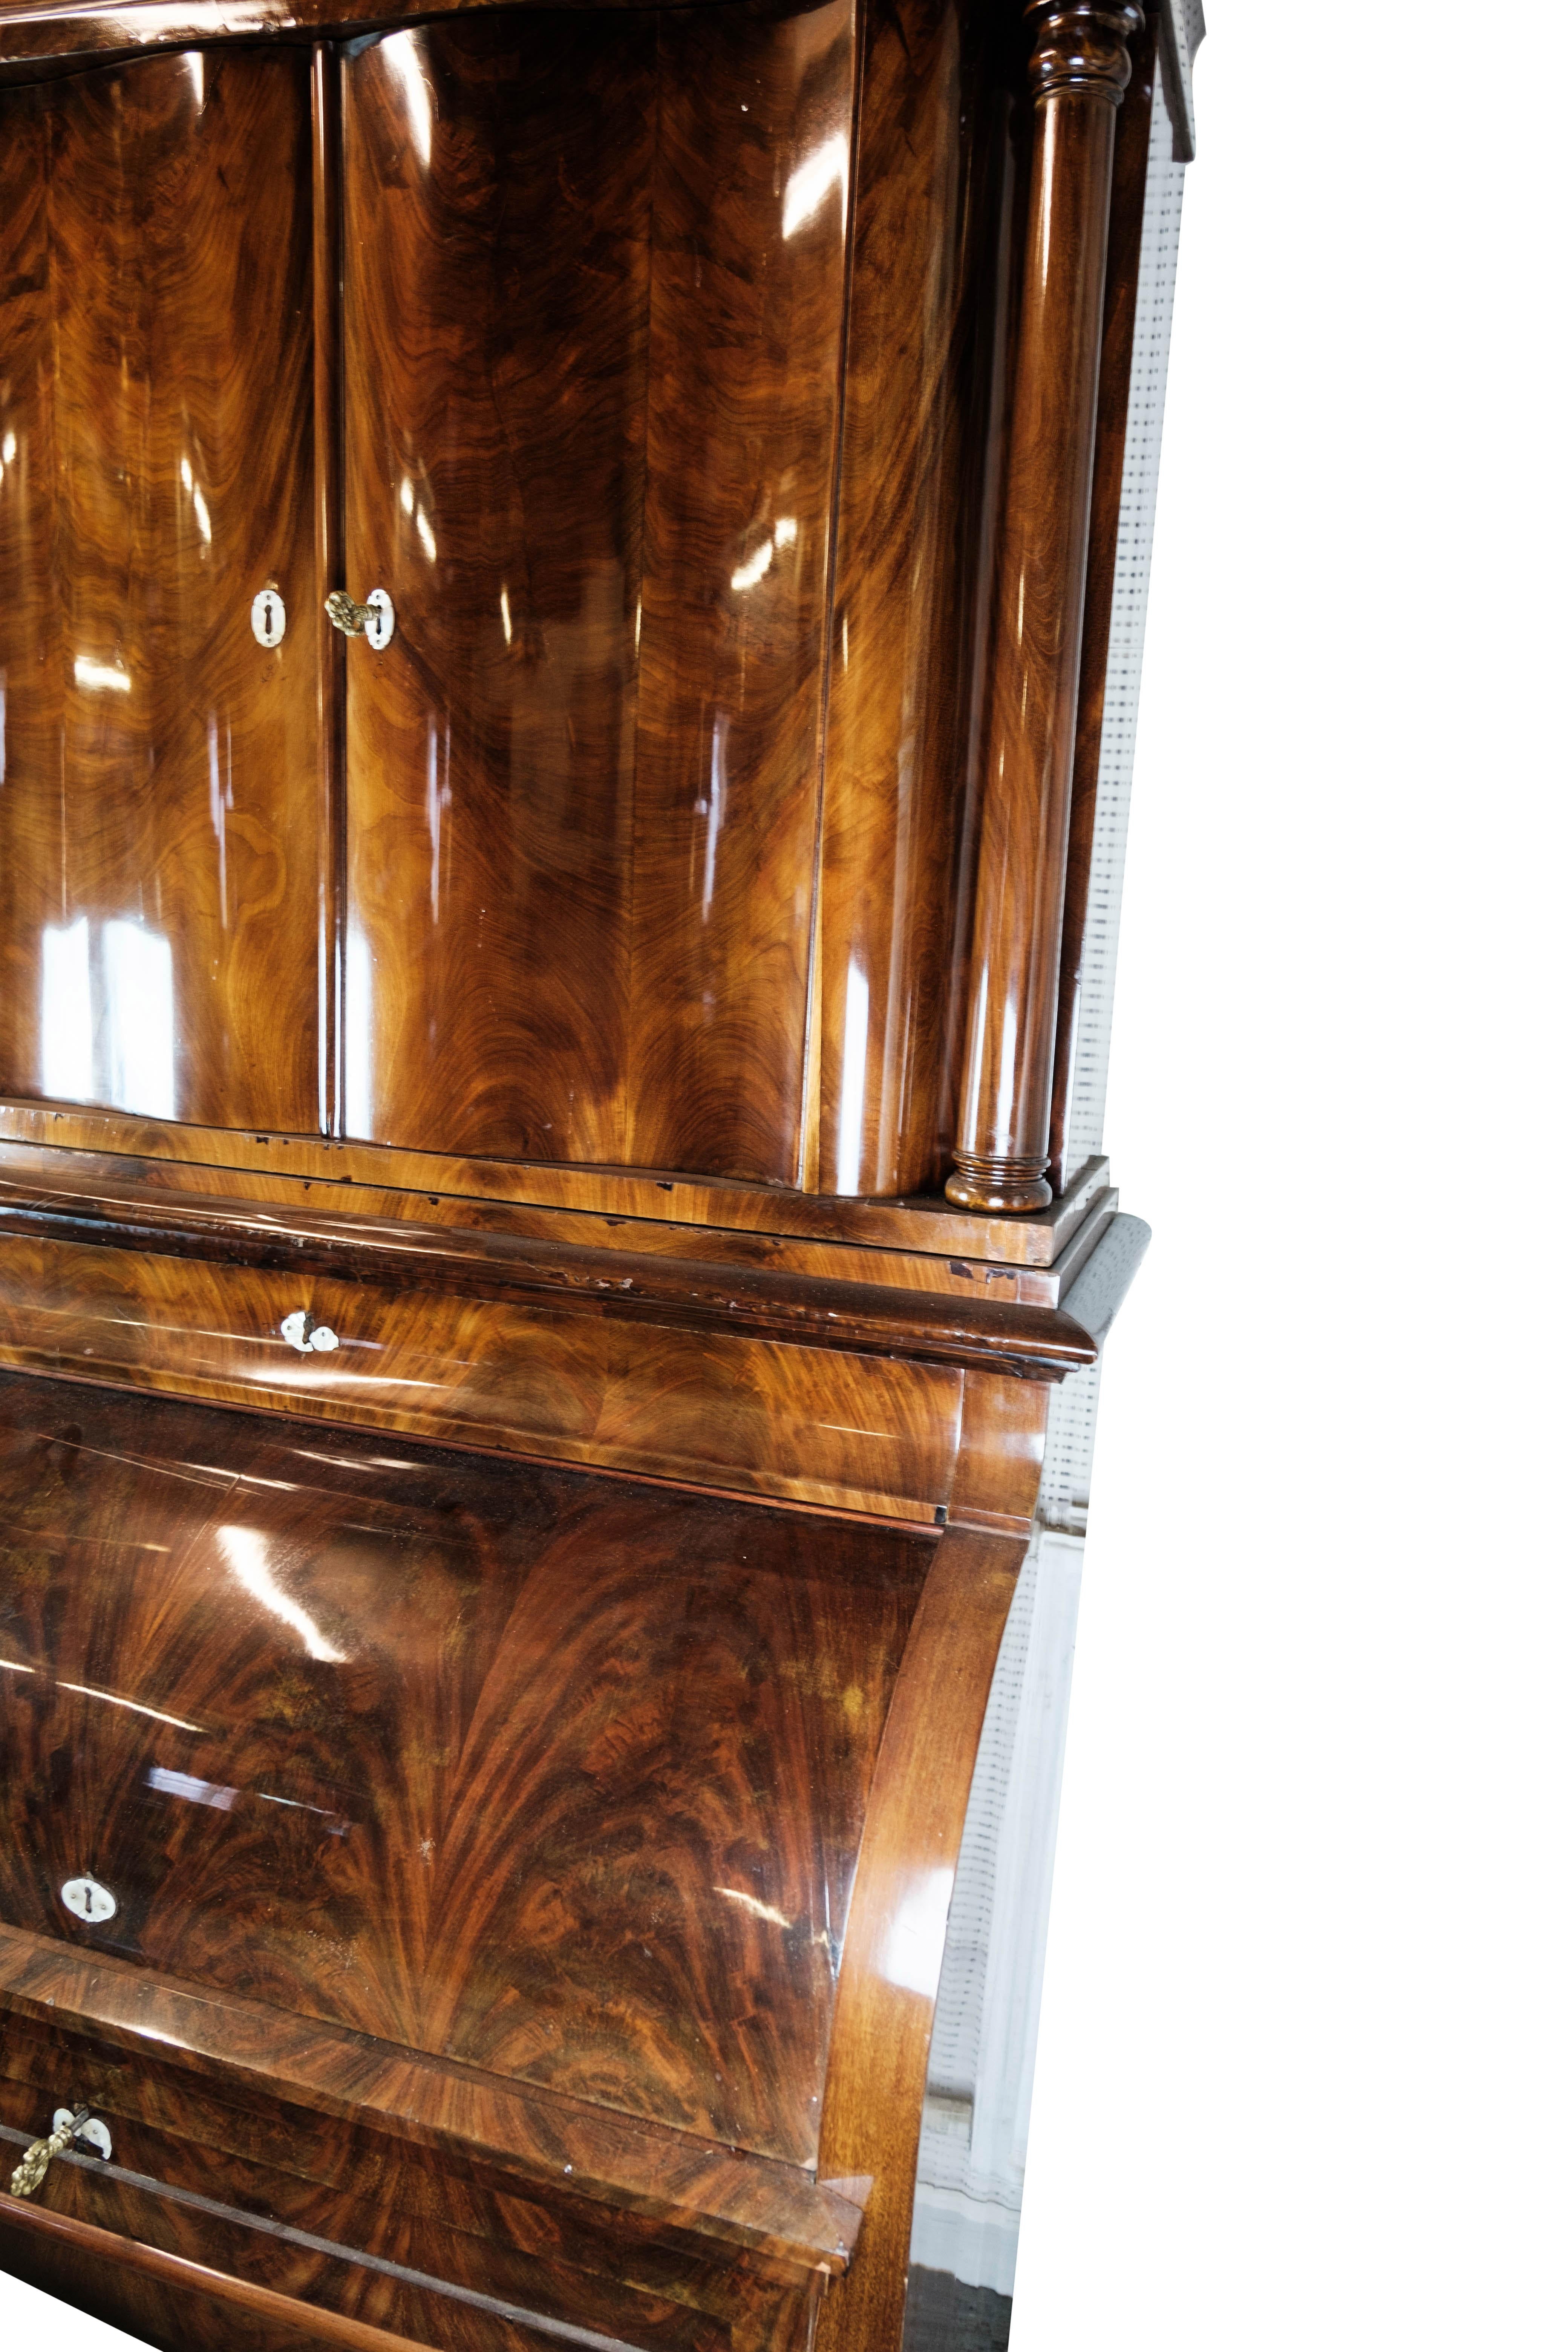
1303 2079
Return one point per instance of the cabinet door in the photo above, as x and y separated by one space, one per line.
160 808
595 270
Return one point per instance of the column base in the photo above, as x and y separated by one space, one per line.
1012 1187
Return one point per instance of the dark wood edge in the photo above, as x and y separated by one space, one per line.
1084 1241
910 1516
882 2027
1099 1289
308 2322
329 445
565 2146
926 1224
266 2226
1178 102
686 1294
1123 263
35 39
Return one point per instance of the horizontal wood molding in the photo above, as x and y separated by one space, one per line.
63 2233
37 35
926 1226
428 2210
566 2145
972 1331
110 1175
708 1408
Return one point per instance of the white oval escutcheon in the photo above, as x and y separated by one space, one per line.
92 2134
303 1332
268 618
380 619
88 1900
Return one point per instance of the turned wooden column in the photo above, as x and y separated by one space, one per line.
1080 66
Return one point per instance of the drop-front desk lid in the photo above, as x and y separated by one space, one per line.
554 1775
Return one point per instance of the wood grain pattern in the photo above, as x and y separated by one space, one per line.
159 855
926 1226
291 1694
1079 68
529 1738
594 295
326 291
750 225
497 194
1129 174
460 2218
906 567
34 36
355 2259
670 1293
460 2132
709 1410
166 2298
892 1955
111 1177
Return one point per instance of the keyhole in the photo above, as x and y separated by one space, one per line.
88 1899
268 617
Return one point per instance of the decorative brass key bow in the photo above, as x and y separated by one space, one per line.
42 2154
345 615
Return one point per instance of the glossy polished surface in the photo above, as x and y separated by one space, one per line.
649 1287
32 37
1079 68
1130 175
350 2264
164 2297
595 271
750 225
893 1960
496 341
282 1698
486 2154
894 1269
931 157
159 821
928 1226
560 1381
616 2266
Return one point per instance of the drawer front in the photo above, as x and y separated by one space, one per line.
395 2237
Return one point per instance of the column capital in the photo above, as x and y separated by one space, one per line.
1082 45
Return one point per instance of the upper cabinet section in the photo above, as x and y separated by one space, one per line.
707 396
596 276
160 818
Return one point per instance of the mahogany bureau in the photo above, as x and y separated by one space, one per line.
556 583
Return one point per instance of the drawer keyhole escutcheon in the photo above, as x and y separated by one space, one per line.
305 1334
92 2134
268 617
88 1900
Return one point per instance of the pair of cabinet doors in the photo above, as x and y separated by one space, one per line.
531 321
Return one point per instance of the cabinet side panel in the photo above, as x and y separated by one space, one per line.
497 177
750 223
158 820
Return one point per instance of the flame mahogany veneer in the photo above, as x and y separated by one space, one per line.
512 1473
